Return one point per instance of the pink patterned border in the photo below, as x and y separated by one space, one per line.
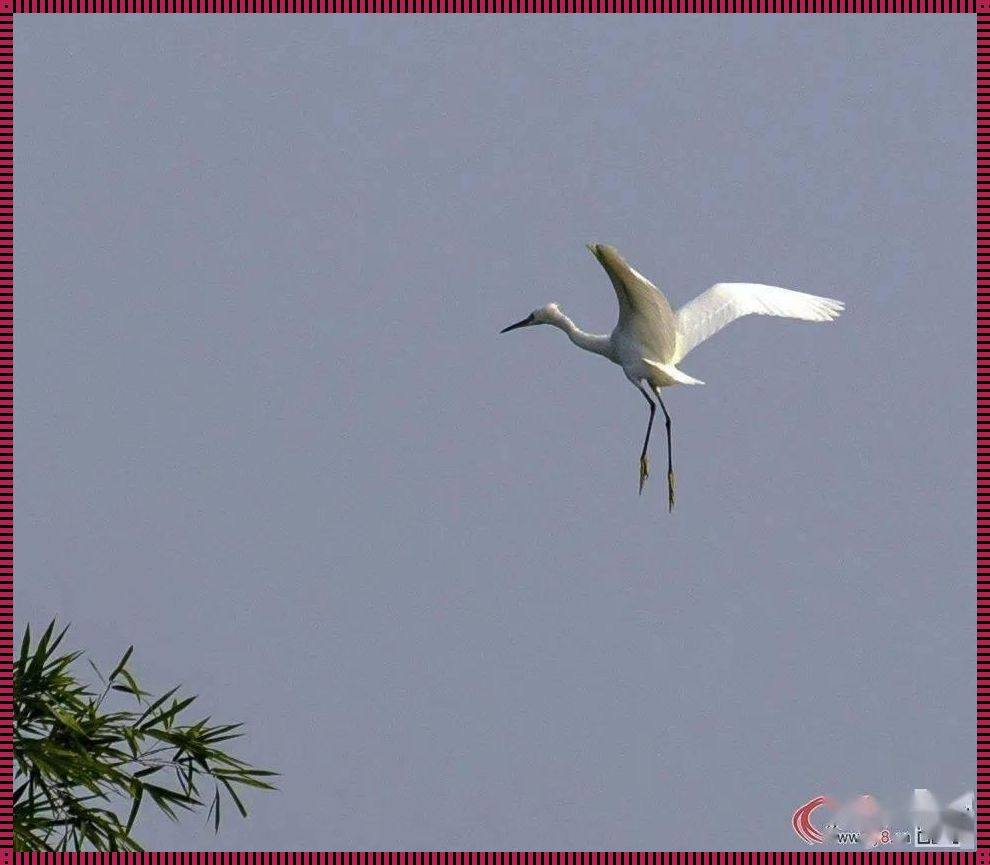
983 433
957 6
6 423
822 857
811 858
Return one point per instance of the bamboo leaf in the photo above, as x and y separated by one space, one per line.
123 663
40 656
135 689
25 647
215 809
96 670
147 712
138 794
234 796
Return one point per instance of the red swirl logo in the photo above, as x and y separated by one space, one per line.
801 821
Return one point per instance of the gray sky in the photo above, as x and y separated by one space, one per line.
268 432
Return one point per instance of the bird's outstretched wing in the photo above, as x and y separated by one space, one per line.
724 302
644 312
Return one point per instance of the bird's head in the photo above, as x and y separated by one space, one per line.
544 315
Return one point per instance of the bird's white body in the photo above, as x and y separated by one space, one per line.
650 339
629 353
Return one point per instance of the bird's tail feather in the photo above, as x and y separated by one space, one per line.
672 373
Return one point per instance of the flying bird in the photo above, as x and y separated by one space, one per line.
650 339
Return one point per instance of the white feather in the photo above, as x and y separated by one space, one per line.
724 302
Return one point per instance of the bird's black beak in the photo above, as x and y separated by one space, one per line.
526 321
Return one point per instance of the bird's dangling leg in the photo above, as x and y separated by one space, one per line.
644 460
670 460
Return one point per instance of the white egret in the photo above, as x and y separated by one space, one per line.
650 339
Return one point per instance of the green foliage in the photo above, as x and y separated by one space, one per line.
77 763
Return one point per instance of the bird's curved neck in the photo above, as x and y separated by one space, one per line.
593 342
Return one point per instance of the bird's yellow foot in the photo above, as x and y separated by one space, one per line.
670 490
644 472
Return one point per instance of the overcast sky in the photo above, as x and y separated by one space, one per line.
267 430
